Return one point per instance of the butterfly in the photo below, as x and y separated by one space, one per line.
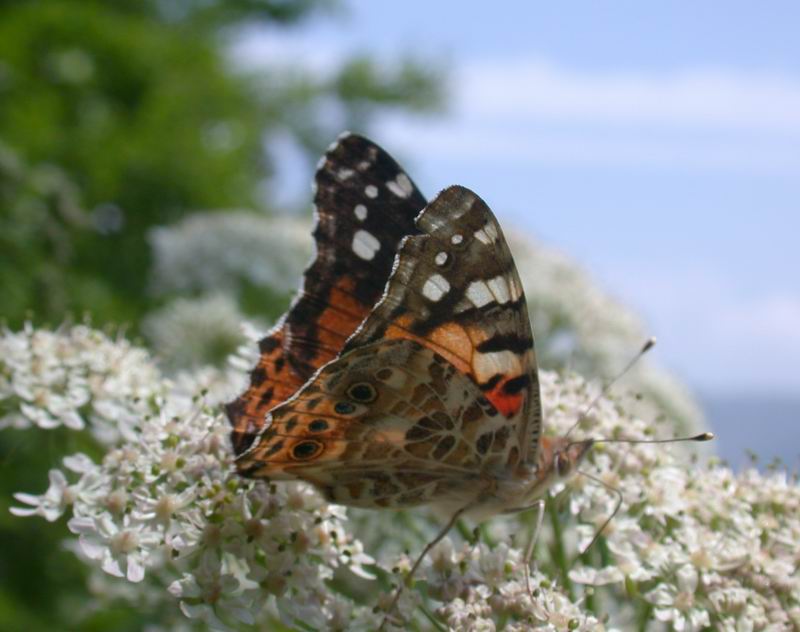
404 373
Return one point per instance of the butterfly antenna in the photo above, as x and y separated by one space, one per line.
703 436
649 344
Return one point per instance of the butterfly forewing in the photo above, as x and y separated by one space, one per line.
455 289
365 205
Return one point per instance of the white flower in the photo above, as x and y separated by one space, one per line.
122 549
61 495
208 590
677 602
51 504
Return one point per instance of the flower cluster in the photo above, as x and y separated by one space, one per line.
691 545
235 248
167 502
195 332
76 377
696 545
478 587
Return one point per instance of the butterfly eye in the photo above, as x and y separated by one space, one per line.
344 408
306 450
563 466
362 392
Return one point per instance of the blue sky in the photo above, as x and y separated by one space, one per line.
657 143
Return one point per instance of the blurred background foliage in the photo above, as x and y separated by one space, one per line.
117 117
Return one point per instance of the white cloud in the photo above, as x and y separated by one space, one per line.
696 97
533 111
530 109
486 144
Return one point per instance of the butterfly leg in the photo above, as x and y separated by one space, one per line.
539 505
422 555
618 506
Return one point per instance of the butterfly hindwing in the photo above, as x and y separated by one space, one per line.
456 290
365 205
392 423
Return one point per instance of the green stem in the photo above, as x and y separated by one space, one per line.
645 616
559 552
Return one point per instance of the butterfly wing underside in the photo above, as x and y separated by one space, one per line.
390 424
437 388
455 289
365 205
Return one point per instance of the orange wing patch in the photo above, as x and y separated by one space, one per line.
271 382
276 377
502 375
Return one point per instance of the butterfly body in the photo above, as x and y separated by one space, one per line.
405 372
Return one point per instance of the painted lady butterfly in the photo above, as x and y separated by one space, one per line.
404 372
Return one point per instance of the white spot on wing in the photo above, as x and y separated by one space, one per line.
488 364
361 212
482 237
363 165
478 292
344 174
365 245
435 287
371 191
491 230
400 186
516 288
441 258
456 239
499 287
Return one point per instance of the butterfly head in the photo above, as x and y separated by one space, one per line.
559 458
568 455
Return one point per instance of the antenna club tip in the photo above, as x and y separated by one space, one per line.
705 436
649 344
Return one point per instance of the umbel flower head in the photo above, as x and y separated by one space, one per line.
693 546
